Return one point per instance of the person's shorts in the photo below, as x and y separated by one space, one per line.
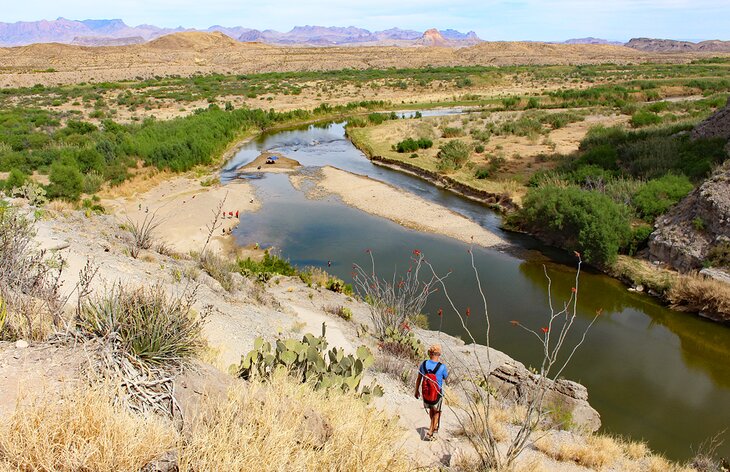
434 406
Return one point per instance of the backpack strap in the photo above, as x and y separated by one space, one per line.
436 369
423 370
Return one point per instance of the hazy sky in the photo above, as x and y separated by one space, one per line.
491 19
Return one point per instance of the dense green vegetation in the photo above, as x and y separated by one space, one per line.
79 156
586 221
453 155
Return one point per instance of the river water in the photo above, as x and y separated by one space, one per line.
652 373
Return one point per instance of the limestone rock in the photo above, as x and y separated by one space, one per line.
21 344
684 236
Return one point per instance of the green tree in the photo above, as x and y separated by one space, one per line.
453 155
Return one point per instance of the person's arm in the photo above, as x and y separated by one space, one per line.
418 384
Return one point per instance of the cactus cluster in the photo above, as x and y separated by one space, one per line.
310 360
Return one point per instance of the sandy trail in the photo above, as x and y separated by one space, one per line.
186 209
403 208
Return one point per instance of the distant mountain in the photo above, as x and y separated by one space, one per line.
670 45
433 37
591 40
116 32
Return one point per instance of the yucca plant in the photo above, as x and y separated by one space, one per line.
145 323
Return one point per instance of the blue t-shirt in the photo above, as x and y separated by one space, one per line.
441 374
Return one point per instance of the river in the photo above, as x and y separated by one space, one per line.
652 373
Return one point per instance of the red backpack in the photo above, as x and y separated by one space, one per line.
430 389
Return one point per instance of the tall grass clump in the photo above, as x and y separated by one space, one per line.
453 155
284 424
145 324
81 430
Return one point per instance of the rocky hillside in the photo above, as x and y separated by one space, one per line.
669 45
697 226
697 230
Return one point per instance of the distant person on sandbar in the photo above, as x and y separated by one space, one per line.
429 386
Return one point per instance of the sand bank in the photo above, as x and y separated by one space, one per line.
186 209
270 162
402 207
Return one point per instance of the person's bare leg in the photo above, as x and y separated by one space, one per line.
435 421
431 426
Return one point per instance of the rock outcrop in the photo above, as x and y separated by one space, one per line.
670 45
716 126
685 235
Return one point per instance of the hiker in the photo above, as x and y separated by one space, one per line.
429 385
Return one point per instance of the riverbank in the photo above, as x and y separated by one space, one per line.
401 207
185 208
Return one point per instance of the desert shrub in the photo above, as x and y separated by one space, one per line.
510 103
658 195
482 172
339 311
263 270
29 281
145 323
452 132
66 182
533 102
81 430
337 285
16 179
524 126
645 118
453 155
142 232
479 149
92 182
638 239
576 219
218 268
719 255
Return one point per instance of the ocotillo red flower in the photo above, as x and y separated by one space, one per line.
515 323
577 254
573 289
468 312
416 252
441 312
545 329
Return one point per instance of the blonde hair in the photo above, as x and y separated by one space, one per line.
434 349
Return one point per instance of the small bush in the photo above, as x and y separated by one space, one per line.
482 172
645 118
16 179
269 266
479 148
218 268
452 132
453 155
339 311
638 239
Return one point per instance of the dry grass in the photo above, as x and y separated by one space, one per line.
144 180
476 424
694 292
261 429
593 452
81 431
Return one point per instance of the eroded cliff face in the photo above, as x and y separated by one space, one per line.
686 234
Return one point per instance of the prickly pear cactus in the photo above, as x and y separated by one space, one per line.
310 360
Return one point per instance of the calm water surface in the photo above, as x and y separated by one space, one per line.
652 373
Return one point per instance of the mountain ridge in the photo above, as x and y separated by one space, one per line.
103 32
